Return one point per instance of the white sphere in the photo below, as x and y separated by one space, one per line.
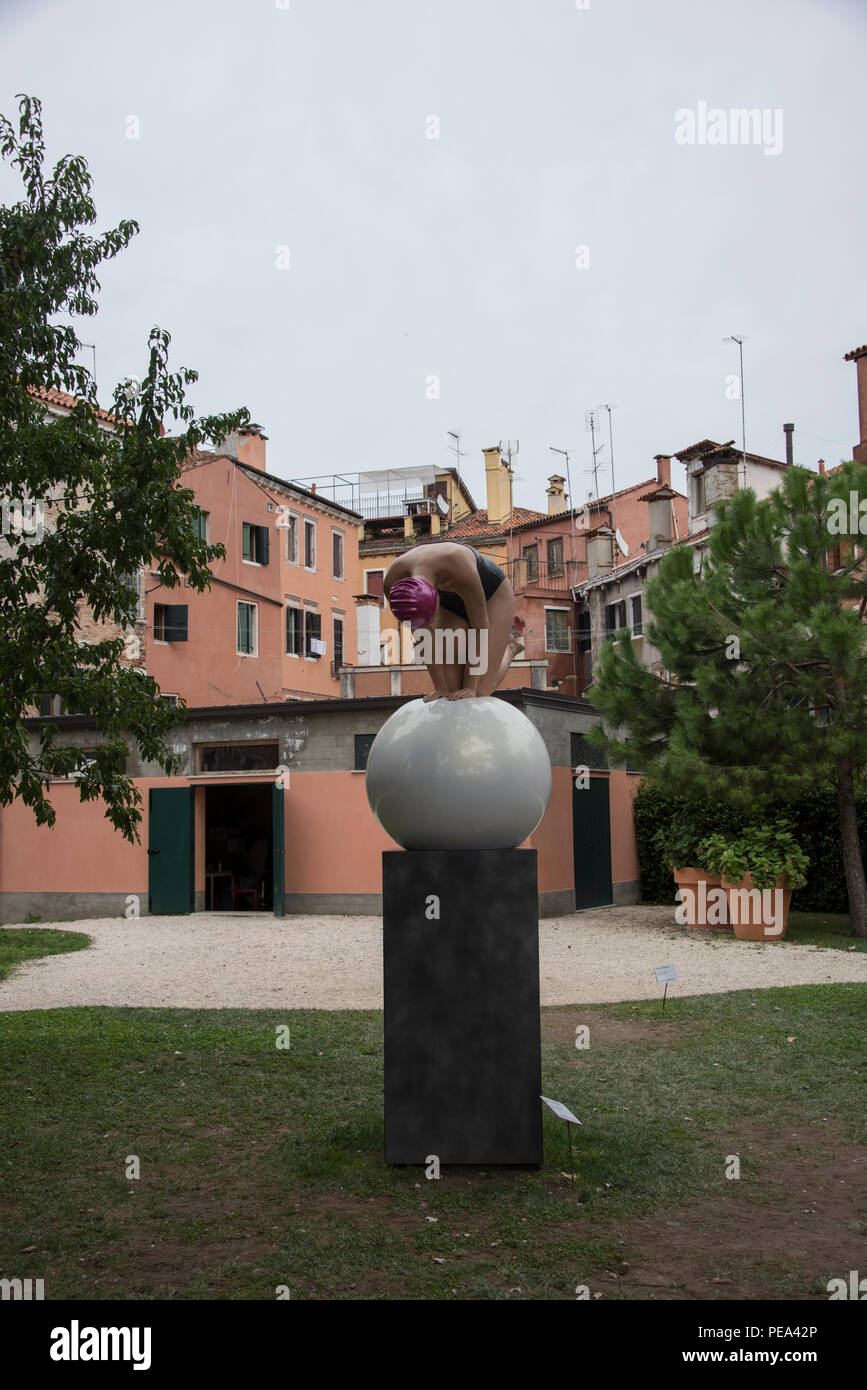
458 774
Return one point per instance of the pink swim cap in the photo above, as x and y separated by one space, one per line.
413 600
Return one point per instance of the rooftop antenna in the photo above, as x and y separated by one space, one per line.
617 537
509 449
92 347
456 449
740 342
565 453
590 424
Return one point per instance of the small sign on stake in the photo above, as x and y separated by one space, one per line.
665 975
564 1113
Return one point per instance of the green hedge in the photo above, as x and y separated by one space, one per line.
816 824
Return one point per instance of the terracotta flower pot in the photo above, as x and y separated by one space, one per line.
757 915
699 899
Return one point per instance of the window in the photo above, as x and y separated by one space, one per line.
290 523
169 699
337 554
585 755
362 748
699 501
615 617
131 579
555 558
239 757
373 580
255 544
294 630
248 635
337 647
309 545
584 638
313 644
635 619
170 622
531 561
557 630
201 524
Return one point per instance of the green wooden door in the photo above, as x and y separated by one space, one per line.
279 854
591 844
171 841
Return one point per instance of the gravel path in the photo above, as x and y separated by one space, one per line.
223 960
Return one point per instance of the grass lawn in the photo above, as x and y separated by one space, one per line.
263 1167
17 946
823 929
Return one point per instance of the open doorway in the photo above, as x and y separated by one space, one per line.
239 848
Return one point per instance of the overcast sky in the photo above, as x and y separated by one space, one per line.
435 284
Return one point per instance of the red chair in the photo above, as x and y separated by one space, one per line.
239 892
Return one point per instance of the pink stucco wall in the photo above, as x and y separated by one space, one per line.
333 843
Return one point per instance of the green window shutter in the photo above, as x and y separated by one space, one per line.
265 546
247 544
175 626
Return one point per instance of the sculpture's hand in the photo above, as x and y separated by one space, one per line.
435 695
462 695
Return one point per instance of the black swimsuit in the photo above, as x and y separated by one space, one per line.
490 574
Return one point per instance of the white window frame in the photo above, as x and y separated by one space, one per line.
338 616
558 608
255 607
298 605
296 517
639 594
310 607
336 531
311 569
254 526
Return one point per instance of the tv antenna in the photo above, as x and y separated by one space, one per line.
565 454
509 449
456 449
740 340
590 424
618 539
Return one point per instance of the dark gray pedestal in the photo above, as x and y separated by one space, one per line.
463 1068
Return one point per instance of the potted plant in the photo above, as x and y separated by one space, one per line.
679 844
758 868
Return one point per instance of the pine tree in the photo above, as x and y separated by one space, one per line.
114 497
765 682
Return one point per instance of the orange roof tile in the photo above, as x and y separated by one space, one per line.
51 396
477 524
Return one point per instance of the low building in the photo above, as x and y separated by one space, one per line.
273 802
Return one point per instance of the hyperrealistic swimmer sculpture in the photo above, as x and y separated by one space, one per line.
447 584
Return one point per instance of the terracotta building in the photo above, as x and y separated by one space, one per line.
279 614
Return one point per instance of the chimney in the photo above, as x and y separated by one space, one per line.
659 518
663 469
498 480
247 445
556 495
789 430
821 465
859 355
251 446
600 552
